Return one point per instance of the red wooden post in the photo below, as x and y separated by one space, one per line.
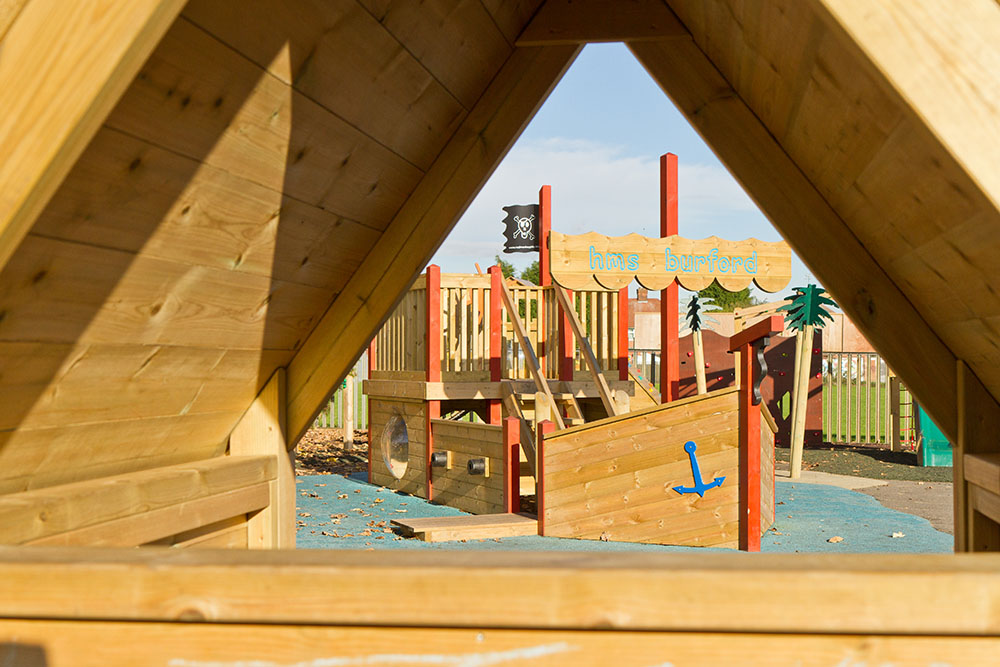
544 227
511 465
544 428
433 364
670 366
566 343
544 269
496 340
746 343
372 346
623 334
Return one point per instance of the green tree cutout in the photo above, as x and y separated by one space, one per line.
693 314
805 312
807 307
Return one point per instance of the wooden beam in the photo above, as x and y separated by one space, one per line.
421 224
978 424
65 64
588 352
582 21
144 527
33 516
262 432
948 74
867 594
56 643
537 374
812 227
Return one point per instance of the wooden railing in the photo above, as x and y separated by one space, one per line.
466 320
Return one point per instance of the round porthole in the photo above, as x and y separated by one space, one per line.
396 446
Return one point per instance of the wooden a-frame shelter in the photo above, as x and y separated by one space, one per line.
207 208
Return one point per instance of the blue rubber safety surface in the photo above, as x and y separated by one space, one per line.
338 512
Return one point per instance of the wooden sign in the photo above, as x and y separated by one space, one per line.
595 261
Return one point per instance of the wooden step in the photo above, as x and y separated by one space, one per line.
468 527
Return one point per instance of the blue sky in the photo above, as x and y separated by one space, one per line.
597 142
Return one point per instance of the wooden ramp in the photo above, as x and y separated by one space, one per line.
481 527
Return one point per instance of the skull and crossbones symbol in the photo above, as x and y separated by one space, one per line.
524 227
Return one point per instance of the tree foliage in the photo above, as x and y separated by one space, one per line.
722 300
506 268
532 273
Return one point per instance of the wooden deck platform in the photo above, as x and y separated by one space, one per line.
480 527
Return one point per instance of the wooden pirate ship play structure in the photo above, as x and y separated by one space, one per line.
208 209
555 363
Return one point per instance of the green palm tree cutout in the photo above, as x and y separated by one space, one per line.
807 307
693 316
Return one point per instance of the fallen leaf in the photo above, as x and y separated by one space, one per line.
899 534
400 511
605 536
357 490
341 496
835 539
304 514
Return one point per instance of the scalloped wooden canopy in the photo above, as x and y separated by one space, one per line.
194 195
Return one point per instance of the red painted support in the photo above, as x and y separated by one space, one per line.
544 428
544 268
670 363
371 367
511 465
623 334
544 227
567 343
433 364
749 422
496 314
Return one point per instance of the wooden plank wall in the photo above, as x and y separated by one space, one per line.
222 206
613 479
204 503
414 415
456 488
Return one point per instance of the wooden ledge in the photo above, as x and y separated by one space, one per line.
82 512
865 594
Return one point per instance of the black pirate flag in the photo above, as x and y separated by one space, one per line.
521 231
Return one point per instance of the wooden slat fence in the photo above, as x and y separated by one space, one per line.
864 403
332 415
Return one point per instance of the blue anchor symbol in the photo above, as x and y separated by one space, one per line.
699 486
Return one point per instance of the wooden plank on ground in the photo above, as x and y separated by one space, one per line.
479 527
